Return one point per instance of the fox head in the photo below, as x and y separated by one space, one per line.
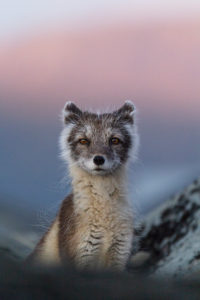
98 143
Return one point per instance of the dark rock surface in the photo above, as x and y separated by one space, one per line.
19 282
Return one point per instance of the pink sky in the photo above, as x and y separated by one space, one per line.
157 65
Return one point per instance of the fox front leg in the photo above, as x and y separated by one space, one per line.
119 253
87 256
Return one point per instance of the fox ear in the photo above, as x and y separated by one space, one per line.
126 112
71 113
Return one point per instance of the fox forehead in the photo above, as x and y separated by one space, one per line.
98 127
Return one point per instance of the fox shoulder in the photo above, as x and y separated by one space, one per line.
67 227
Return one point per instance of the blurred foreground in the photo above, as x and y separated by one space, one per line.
165 264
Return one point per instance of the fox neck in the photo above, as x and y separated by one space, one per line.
88 188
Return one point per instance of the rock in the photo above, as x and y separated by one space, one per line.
171 235
22 282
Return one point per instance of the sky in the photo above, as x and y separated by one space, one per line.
21 16
98 54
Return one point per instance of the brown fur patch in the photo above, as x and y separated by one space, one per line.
66 228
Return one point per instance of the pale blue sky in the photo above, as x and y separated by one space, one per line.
20 16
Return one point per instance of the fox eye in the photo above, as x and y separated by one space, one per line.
115 141
83 141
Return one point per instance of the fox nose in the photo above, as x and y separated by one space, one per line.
98 160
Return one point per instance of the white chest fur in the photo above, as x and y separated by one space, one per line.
104 220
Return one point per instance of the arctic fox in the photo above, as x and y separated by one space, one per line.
94 226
